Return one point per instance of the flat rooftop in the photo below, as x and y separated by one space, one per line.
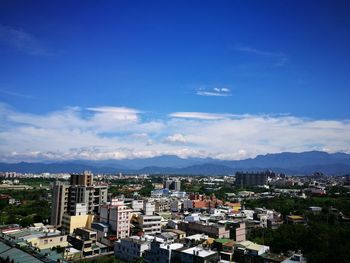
199 252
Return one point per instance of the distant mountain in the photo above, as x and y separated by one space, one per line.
163 161
290 160
290 163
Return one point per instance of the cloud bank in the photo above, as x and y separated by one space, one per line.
99 133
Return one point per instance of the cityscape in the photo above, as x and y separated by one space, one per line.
174 131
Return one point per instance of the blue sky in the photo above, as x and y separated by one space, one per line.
209 65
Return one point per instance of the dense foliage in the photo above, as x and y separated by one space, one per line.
325 238
33 208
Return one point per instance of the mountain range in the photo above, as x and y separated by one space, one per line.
303 163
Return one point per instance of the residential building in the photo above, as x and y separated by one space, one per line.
50 241
246 251
85 240
194 255
117 215
212 230
161 252
66 197
237 231
131 248
172 184
71 222
60 201
149 224
85 179
251 179
137 205
162 205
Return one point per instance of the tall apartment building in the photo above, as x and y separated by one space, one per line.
60 200
86 178
251 179
171 184
65 197
94 196
117 215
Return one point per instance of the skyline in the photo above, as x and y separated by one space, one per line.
227 80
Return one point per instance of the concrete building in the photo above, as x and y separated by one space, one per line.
194 255
246 251
66 197
117 215
237 231
85 240
85 179
149 224
131 248
60 199
149 208
172 184
71 222
251 179
137 205
49 241
161 252
93 196
162 205
176 206
212 230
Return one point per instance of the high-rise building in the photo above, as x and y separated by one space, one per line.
172 184
66 197
86 179
60 200
251 179
94 196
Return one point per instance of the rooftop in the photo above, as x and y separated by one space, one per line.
199 251
172 246
222 240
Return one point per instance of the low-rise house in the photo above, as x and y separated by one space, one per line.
50 241
85 240
225 247
168 237
179 234
195 239
212 230
295 219
248 250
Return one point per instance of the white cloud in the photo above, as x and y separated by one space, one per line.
119 133
200 115
176 138
214 92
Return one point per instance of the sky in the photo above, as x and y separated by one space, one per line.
135 79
